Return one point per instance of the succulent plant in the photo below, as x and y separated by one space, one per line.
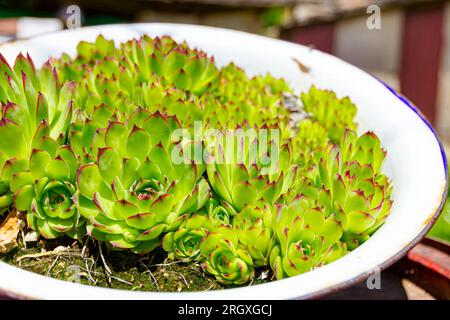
32 102
306 237
218 211
36 112
236 86
184 242
253 226
225 258
335 114
365 149
357 188
243 168
311 142
140 61
134 190
257 100
45 193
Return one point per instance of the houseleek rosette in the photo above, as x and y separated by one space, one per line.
184 243
225 258
253 226
244 168
135 190
356 187
258 100
335 114
219 210
35 111
311 143
306 238
138 61
45 192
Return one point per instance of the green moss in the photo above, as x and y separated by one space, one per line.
150 272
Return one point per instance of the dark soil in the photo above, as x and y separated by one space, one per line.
70 260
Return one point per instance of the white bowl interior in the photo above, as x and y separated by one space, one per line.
414 160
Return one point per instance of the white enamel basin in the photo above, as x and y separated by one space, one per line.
415 160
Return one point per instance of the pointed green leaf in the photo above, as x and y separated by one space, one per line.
244 194
88 180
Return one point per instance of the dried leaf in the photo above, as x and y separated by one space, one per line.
303 68
9 230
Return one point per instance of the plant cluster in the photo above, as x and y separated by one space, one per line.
107 144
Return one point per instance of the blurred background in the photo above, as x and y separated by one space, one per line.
405 43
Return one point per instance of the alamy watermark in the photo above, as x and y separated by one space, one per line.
374 20
373 282
239 146
73 17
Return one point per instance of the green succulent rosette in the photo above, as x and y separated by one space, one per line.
225 258
136 189
114 99
184 243
311 143
88 55
139 61
335 114
356 187
258 100
306 238
45 192
253 226
32 102
218 211
244 168
35 111
365 149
